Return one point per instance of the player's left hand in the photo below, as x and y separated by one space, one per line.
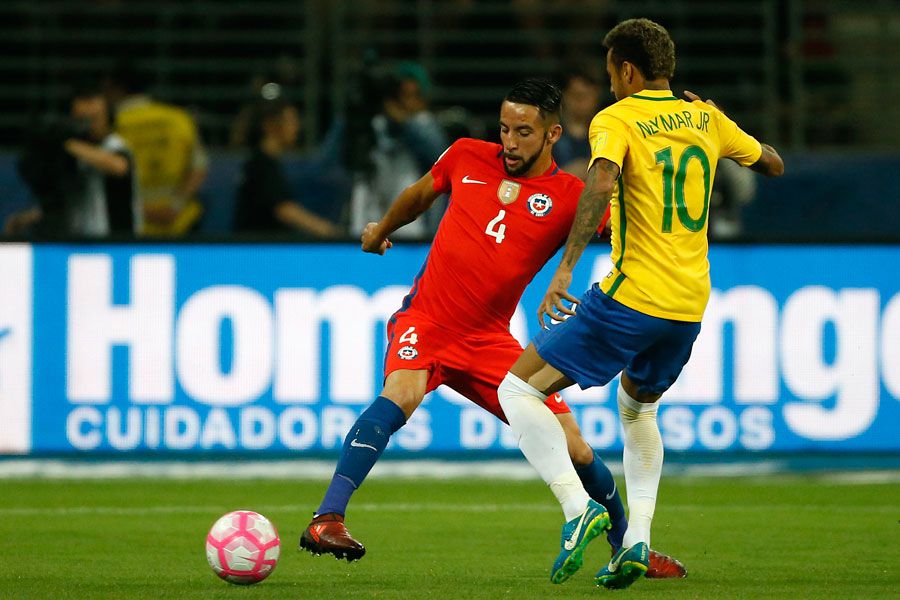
372 242
552 305
692 97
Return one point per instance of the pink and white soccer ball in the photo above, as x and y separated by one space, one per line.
243 547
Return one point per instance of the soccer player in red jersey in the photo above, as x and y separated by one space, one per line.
511 209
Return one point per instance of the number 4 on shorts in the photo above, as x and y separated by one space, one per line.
410 337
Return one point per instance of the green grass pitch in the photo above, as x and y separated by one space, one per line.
767 537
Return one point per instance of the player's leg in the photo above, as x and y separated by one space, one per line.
642 462
649 374
410 372
596 478
491 355
489 358
642 457
542 440
590 348
522 395
599 483
403 392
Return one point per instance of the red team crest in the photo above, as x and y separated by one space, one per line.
407 353
539 204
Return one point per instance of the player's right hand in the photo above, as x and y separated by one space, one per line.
552 304
372 242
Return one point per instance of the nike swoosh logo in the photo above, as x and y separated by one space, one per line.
612 493
616 561
5 332
570 543
613 565
356 444
467 180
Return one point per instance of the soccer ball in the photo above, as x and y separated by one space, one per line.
243 547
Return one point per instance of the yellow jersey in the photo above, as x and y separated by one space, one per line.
166 147
666 150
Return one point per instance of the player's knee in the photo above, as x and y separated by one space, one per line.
633 390
408 400
580 452
406 389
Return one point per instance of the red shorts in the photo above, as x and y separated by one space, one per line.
473 365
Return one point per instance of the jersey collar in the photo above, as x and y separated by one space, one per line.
654 95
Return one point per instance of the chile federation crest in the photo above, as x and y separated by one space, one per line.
539 204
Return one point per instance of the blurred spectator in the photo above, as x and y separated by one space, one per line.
265 201
734 187
80 173
170 158
581 101
404 139
284 76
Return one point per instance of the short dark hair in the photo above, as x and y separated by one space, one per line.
539 92
644 44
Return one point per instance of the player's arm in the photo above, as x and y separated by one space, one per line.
769 163
594 200
406 208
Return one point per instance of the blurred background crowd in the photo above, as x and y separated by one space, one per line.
304 119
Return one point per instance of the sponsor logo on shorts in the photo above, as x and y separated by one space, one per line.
407 353
539 204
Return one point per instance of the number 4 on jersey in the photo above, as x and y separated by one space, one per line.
500 232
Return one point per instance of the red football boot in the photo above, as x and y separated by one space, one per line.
663 566
326 534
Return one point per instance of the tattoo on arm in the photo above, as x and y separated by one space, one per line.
591 205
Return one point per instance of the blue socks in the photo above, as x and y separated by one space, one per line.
599 483
362 447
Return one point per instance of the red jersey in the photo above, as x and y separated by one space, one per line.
497 233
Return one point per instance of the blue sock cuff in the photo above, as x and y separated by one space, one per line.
589 468
384 411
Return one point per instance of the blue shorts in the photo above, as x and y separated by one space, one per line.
606 337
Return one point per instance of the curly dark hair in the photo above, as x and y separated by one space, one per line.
646 45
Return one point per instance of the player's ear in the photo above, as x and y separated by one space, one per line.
554 132
627 72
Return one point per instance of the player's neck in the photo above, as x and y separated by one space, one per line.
656 84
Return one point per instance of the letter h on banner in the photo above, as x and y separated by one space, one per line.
96 324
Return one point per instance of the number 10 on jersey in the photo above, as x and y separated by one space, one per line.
495 228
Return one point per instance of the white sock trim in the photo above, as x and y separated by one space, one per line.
520 385
626 401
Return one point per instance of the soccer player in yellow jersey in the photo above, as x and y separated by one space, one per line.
653 156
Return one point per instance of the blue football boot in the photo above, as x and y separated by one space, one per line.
576 535
626 566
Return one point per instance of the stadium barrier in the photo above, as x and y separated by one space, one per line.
234 348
